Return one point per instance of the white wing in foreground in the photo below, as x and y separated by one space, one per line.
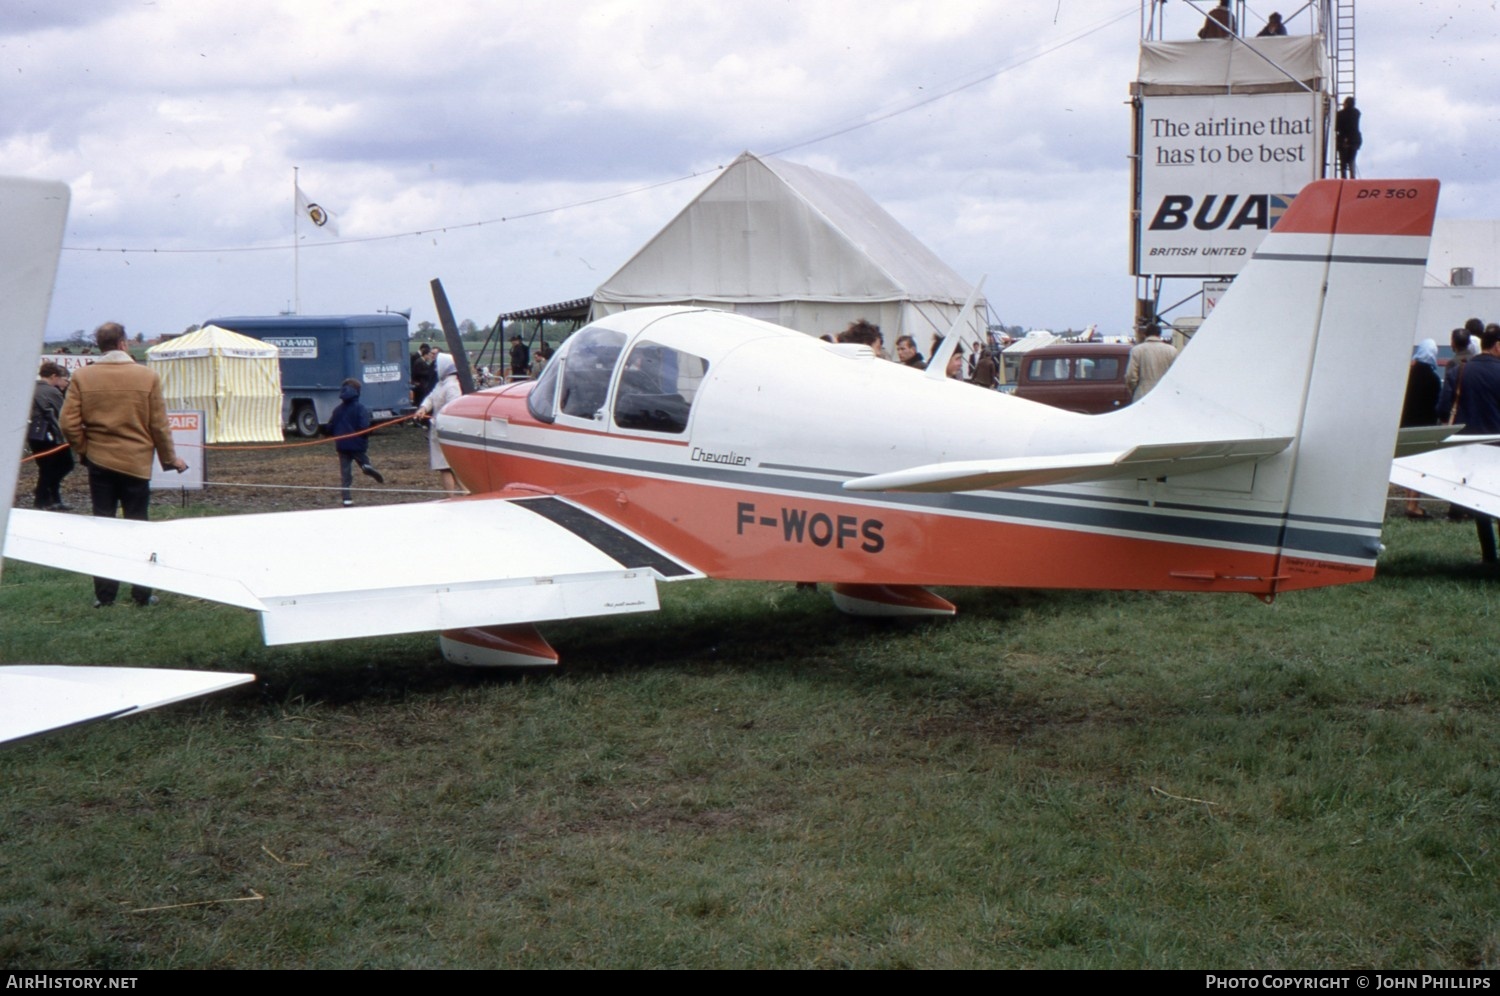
1465 475
371 571
37 699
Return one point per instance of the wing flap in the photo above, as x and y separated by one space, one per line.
1148 460
384 612
375 570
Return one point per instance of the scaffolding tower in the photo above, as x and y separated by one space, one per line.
1221 71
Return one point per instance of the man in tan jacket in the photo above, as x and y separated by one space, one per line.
1149 359
115 420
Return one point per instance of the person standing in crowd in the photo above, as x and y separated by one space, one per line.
1465 343
348 425
1150 358
446 390
957 364
1274 27
1420 407
906 353
115 419
863 333
986 368
520 358
1219 23
1477 407
422 375
44 435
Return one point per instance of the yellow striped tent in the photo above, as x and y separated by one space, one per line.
233 379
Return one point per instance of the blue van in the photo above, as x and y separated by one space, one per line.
319 351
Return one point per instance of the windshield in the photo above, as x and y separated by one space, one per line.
588 364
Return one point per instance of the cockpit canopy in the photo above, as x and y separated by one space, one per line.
653 384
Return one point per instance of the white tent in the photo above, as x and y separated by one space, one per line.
233 379
795 246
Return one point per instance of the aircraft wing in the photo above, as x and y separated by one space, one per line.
37 699
1426 438
1465 475
371 571
1149 460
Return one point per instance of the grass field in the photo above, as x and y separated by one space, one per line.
749 779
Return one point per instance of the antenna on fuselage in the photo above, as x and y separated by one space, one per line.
937 367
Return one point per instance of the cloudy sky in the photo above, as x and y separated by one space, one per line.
574 130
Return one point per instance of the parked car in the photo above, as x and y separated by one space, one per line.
1086 377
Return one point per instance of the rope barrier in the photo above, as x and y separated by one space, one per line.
245 447
37 456
328 487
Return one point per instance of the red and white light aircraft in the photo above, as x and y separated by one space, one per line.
669 444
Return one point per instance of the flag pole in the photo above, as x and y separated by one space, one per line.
296 275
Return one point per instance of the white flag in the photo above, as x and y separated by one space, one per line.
316 213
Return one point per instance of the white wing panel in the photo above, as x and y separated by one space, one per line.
1466 475
126 550
349 572
35 699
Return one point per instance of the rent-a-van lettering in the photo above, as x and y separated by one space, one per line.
294 347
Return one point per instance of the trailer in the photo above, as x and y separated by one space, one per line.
318 352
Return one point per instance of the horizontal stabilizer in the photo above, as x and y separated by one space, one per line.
1151 460
1426 438
339 573
1464 475
37 699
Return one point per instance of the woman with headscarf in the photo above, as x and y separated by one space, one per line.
443 392
1420 408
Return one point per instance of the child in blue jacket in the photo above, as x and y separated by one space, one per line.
347 425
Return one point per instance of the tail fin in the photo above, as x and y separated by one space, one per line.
1347 260
1259 462
32 213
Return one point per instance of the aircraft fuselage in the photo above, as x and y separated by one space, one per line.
761 497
